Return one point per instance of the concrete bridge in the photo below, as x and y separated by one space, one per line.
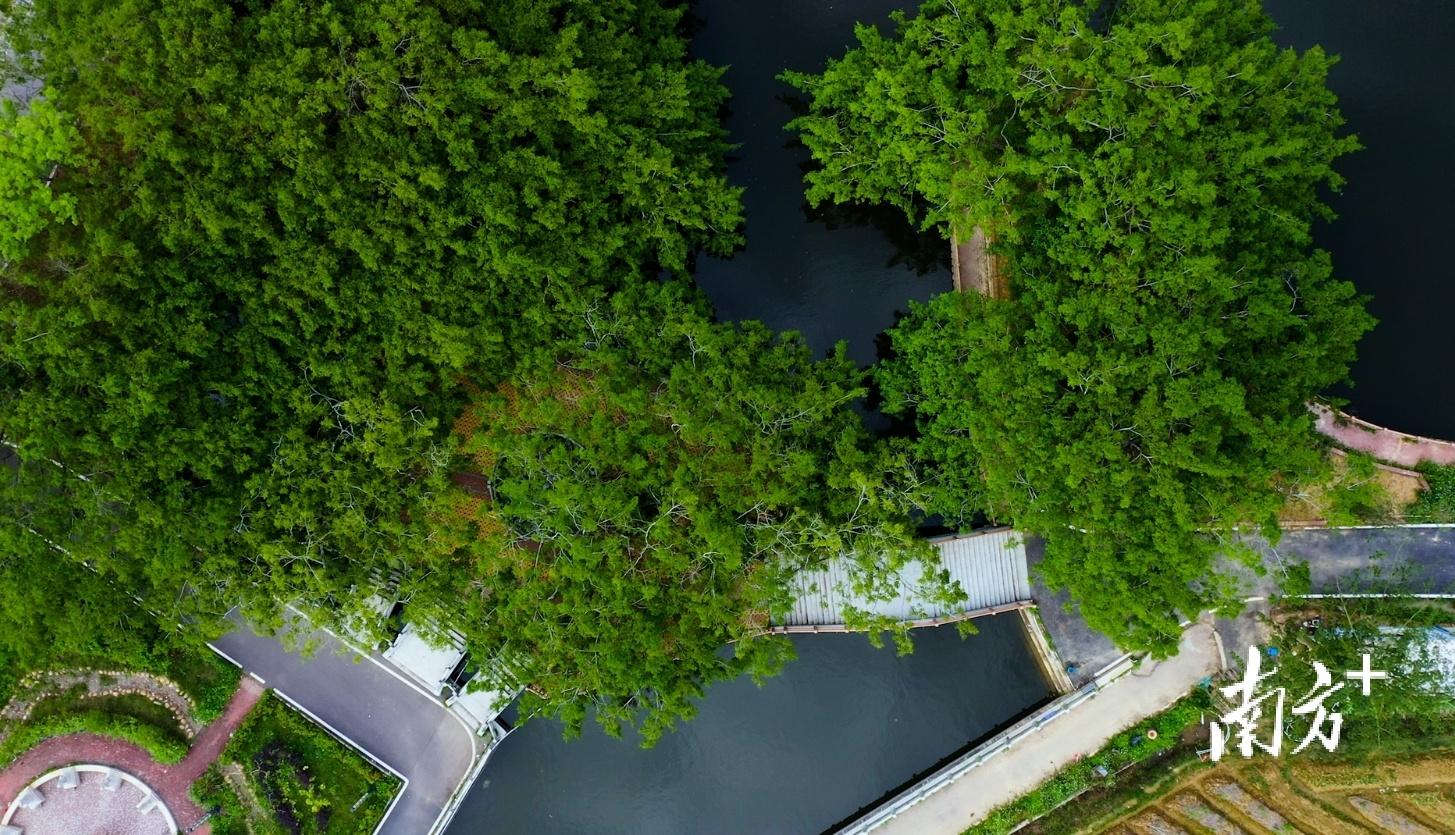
989 565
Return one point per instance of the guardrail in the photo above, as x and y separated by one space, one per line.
1003 741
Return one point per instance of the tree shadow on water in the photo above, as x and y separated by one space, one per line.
923 252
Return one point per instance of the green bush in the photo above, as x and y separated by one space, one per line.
1125 749
106 716
1357 496
1437 504
211 792
311 780
203 675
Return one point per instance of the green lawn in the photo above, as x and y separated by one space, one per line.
313 783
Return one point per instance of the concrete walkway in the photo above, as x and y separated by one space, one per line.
372 705
975 269
1081 732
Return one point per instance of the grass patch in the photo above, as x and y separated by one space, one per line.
202 674
1124 751
315 784
1133 789
135 719
1357 495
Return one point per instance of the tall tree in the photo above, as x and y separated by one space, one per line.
256 244
654 481
1149 172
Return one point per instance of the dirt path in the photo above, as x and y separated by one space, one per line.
171 782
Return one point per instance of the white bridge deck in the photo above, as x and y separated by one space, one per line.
990 567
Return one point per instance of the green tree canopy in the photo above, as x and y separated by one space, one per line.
654 484
35 145
289 230
1149 177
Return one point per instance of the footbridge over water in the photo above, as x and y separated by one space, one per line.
990 567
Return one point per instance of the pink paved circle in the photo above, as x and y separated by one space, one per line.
90 809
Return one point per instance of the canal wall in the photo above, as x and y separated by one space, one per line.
1052 665
1038 747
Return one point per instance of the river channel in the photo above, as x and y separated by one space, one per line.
1395 73
845 724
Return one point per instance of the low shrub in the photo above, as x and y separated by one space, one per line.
1437 504
208 678
102 716
316 784
227 815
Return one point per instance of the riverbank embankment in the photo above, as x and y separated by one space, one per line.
1387 445
1035 749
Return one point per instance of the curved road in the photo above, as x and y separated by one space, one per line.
371 704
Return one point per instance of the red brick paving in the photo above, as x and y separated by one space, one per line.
171 782
1385 444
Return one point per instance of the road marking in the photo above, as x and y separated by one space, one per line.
225 656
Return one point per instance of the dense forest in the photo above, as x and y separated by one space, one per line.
1148 176
279 282
258 260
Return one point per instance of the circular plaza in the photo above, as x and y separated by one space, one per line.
88 800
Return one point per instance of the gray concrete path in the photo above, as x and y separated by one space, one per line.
409 731
1075 643
1080 732
1335 554
1423 556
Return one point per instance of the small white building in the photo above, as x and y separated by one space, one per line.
445 673
426 663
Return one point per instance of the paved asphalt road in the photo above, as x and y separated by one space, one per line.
1333 557
406 729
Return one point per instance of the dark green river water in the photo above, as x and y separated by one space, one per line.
1393 82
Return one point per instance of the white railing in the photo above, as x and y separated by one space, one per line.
1003 741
